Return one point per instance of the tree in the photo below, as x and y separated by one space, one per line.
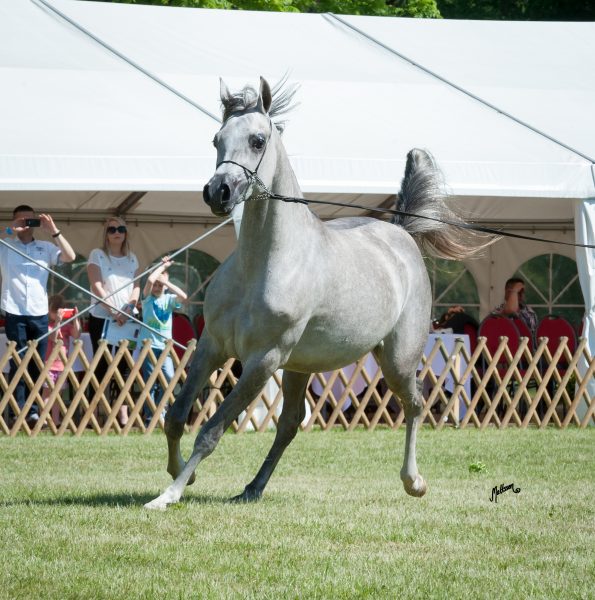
421 9
518 10
495 10
396 8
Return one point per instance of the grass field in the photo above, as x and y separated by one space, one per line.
333 523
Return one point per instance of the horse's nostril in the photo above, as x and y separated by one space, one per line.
206 195
225 192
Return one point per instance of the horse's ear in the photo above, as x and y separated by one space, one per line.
223 91
265 97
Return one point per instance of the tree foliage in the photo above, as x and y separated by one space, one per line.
396 8
518 10
496 10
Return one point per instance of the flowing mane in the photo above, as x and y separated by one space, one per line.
247 98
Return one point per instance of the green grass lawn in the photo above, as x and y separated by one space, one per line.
333 523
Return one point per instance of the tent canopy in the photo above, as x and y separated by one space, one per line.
79 116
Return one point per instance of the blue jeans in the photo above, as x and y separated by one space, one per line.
21 329
157 391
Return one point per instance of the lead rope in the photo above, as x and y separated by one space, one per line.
265 193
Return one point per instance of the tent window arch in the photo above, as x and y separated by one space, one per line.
552 286
192 270
452 284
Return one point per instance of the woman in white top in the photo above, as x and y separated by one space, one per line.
112 267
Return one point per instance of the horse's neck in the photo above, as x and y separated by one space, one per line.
272 227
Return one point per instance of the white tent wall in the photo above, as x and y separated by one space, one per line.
585 234
151 241
500 261
539 72
388 104
549 218
361 107
82 127
166 223
74 116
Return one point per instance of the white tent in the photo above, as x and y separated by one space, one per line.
109 106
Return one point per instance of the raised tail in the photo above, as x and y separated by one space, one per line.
435 230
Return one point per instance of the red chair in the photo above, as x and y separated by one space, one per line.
524 331
553 328
182 332
493 327
470 330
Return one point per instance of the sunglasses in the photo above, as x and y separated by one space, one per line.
119 229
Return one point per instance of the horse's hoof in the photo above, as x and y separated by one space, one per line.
170 496
248 495
416 488
156 504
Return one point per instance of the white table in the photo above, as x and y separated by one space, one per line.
359 385
438 363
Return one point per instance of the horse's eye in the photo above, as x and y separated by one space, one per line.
257 141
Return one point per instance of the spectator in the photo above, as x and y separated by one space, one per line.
514 304
24 287
72 330
112 268
455 318
157 310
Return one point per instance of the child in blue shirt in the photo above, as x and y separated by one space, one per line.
161 298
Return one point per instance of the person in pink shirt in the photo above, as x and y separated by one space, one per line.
72 330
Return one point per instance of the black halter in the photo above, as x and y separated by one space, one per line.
252 176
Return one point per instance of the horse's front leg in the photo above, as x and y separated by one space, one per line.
256 373
294 410
205 360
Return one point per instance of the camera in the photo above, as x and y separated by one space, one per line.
67 313
32 222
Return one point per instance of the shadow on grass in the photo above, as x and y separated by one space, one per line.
112 500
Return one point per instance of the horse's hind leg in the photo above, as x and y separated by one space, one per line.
256 373
399 372
294 411
205 360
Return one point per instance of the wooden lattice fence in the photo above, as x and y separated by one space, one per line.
471 390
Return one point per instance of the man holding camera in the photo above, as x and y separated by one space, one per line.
24 287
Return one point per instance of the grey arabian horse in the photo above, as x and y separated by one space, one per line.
307 296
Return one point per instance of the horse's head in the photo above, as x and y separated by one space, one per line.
244 146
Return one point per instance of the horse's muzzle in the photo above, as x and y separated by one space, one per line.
218 199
